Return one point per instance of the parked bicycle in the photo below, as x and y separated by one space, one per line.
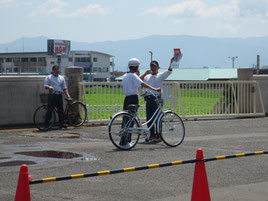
75 113
125 127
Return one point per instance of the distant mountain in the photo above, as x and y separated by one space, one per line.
197 51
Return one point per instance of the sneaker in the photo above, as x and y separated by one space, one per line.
155 140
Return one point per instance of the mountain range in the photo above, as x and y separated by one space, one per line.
198 51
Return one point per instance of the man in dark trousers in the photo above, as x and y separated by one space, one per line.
155 79
57 86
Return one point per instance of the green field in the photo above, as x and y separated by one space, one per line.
104 102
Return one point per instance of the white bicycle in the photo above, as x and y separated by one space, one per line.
125 127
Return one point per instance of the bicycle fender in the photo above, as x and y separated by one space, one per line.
121 112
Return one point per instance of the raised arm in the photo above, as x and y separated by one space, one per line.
146 73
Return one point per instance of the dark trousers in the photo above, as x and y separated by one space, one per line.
151 107
133 99
55 100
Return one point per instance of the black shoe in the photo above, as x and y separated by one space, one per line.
63 126
123 141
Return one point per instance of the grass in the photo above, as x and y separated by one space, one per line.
105 102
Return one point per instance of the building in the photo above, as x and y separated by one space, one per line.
191 74
96 64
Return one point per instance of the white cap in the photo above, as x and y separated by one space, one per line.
134 62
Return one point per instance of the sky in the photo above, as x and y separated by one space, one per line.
113 20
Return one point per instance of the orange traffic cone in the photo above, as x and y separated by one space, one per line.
23 188
200 190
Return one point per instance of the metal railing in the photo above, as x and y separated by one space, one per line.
190 99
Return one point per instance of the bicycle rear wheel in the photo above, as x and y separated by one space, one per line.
44 118
77 114
121 131
171 129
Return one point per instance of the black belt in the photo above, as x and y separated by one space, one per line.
131 95
57 93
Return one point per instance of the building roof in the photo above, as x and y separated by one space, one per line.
197 74
22 53
102 53
45 53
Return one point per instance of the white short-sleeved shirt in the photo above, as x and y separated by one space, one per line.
156 81
57 82
131 82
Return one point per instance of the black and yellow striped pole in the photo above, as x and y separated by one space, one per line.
132 169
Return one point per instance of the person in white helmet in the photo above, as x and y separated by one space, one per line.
131 82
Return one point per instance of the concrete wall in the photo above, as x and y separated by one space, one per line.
247 74
19 97
263 83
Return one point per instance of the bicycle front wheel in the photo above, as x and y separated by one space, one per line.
171 129
77 114
44 118
123 132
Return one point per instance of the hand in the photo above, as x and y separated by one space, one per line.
148 72
51 88
158 89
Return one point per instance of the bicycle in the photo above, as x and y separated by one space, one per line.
125 127
75 113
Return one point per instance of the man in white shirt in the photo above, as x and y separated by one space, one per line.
155 79
57 86
131 82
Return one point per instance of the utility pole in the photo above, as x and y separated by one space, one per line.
233 60
151 55
258 64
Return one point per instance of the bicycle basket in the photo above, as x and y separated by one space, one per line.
44 98
159 101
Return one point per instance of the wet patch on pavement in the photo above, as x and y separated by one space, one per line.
50 154
17 155
16 163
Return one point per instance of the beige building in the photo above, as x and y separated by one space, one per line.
96 65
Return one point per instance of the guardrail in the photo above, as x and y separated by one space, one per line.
190 99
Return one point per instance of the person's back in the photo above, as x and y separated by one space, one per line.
131 82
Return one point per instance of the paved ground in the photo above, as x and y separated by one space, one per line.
233 179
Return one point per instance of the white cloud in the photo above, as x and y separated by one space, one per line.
59 8
48 8
8 3
229 16
91 9
195 8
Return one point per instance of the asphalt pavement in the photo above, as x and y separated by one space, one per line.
237 179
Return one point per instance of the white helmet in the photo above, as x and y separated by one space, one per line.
134 62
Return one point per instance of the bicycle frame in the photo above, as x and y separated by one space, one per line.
142 130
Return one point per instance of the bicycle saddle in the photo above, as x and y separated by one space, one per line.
133 108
